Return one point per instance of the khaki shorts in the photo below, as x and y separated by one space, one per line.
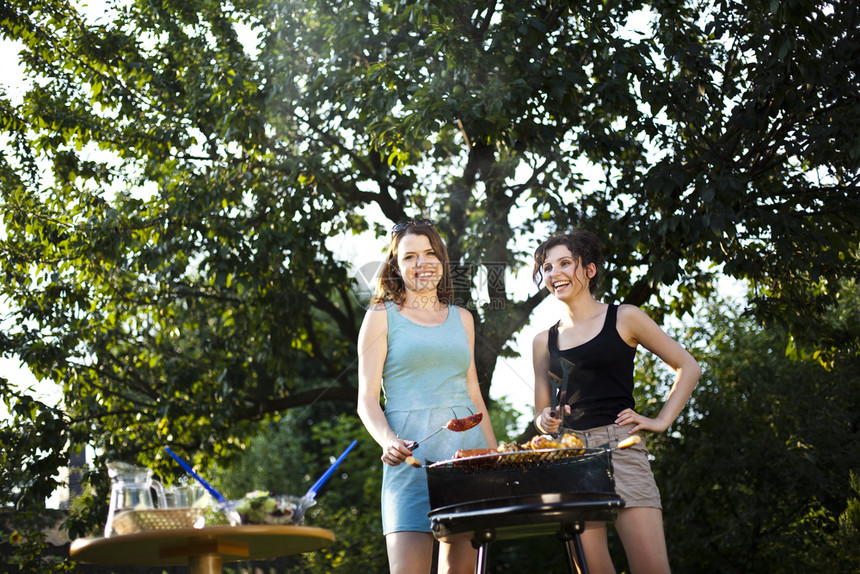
634 481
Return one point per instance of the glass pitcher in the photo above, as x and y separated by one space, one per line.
131 489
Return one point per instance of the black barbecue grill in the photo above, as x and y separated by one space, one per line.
518 494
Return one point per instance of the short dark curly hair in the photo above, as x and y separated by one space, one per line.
584 245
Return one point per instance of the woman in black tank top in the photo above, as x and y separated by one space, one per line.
592 349
603 375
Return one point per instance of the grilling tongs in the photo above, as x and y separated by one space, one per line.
559 398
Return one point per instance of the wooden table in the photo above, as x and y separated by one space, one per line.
202 549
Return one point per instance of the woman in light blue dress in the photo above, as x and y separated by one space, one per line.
417 349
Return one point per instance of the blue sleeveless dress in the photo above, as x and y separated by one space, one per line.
424 385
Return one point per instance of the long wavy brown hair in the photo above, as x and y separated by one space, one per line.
390 287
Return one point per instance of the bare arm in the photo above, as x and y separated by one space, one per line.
372 350
544 422
636 327
472 381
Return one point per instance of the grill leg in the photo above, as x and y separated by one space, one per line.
481 541
580 556
569 535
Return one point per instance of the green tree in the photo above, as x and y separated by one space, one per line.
168 188
758 475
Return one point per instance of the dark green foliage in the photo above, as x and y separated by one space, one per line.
759 474
24 544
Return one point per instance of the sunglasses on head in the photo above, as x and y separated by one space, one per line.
407 224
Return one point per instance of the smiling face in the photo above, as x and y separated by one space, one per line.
581 248
412 253
563 274
418 263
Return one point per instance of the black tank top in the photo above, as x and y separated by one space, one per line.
600 382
